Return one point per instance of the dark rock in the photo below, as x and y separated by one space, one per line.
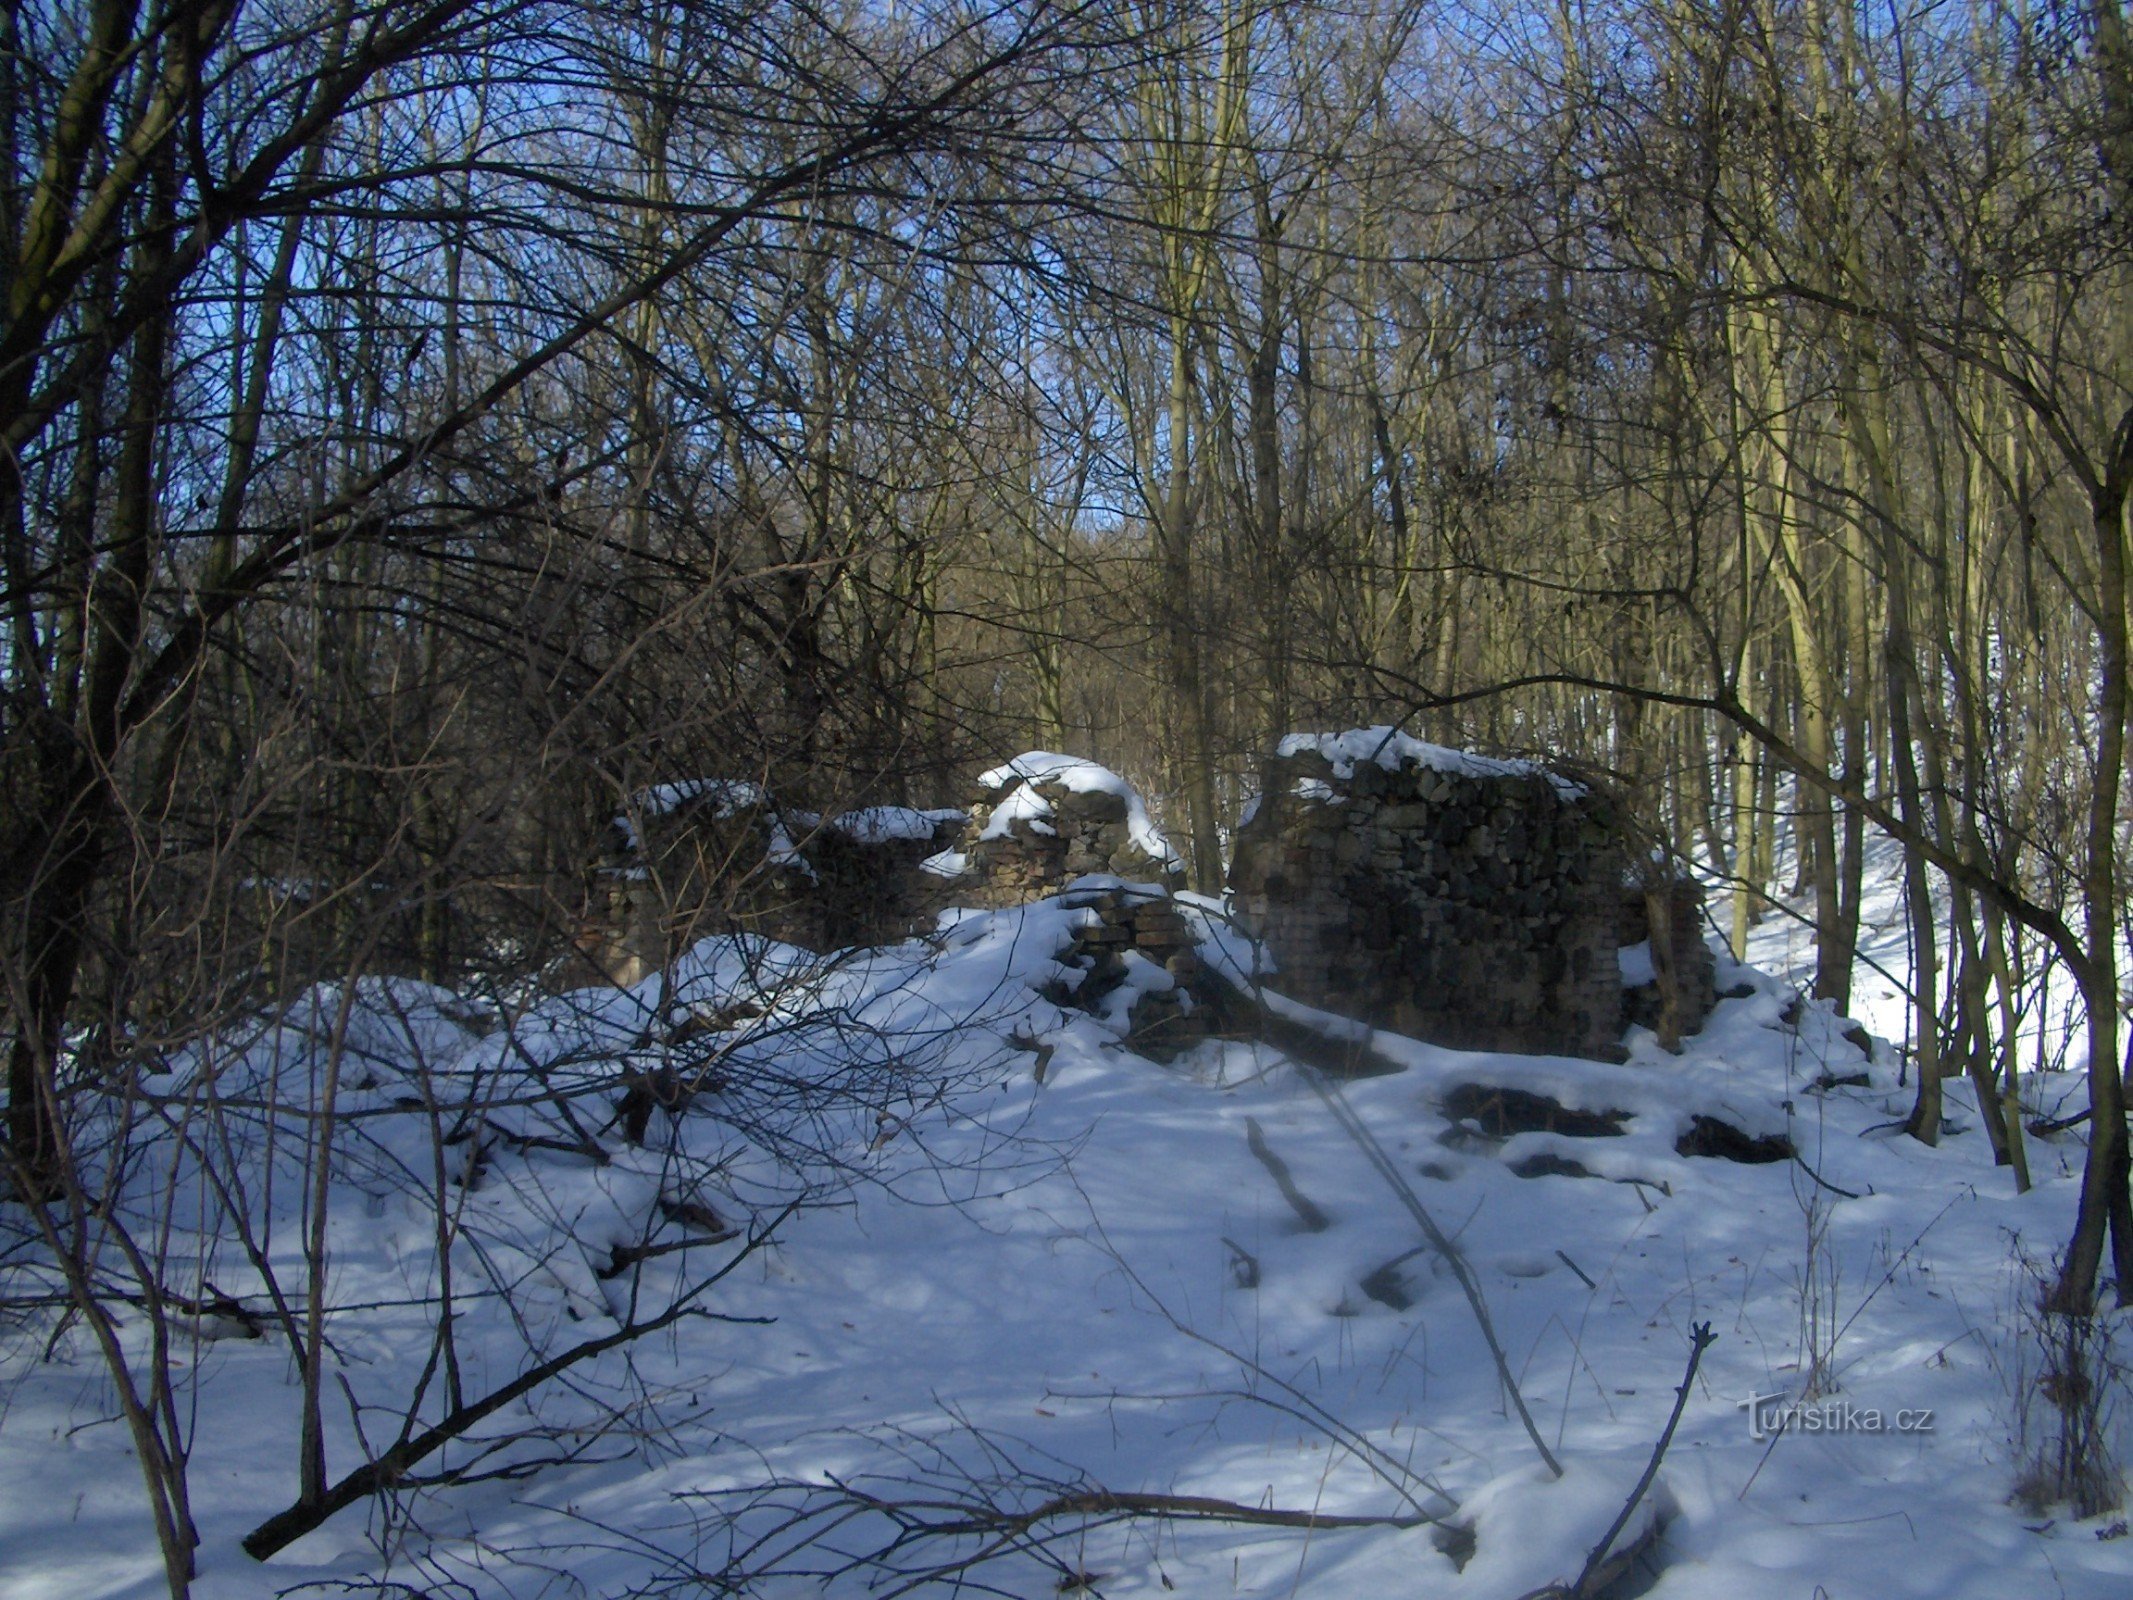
1829 1080
1501 1112
1547 1164
1387 1287
1707 1136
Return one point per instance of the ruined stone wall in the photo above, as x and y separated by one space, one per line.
713 855
1045 820
1682 952
870 890
1469 902
1135 951
722 856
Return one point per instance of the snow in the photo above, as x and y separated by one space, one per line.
1046 766
730 797
1025 804
1311 791
1391 749
995 1280
1636 963
2050 1026
946 864
882 824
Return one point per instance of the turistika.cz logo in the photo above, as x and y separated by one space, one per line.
1773 1414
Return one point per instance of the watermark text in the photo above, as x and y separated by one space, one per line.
1772 1414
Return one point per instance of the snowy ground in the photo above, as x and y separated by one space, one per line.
2049 1022
1002 1287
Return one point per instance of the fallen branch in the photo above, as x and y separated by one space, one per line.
1339 1052
625 1256
392 1468
1590 1581
2045 1126
1583 1277
1110 1503
1313 1219
1395 1474
1606 1564
1374 1153
1801 1162
942 1539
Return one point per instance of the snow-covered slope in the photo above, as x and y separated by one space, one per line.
1027 1262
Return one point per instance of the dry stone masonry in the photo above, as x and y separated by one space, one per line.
1050 825
713 855
1463 900
716 855
1048 819
1473 902
1134 958
1676 952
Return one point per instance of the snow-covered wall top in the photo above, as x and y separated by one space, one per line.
881 824
725 798
1391 749
717 797
1046 819
1027 777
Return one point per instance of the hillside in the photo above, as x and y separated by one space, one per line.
980 1255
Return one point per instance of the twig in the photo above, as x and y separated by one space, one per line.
1313 1219
1818 1178
392 1468
1602 1569
1700 1339
1394 1473
1447 1251
1175 1507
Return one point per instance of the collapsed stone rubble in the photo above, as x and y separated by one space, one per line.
1473 902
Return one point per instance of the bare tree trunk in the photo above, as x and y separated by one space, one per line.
2105 1204
1184 645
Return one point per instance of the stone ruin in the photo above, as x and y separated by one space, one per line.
1470 902
1058 825
714 855
1134 957
1476 903
1048 819
1673 956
